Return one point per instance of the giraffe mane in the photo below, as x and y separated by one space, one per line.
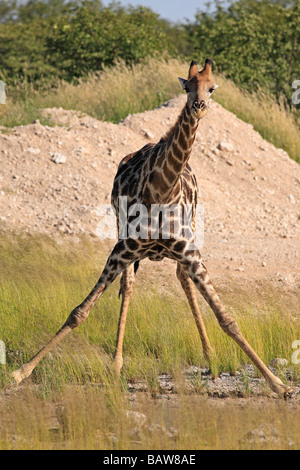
171 131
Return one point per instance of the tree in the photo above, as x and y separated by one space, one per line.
94 38
7 10
256 43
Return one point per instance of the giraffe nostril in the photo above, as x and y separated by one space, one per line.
199 104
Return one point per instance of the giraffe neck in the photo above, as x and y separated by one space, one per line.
173 156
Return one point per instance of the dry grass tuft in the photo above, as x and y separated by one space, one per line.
273 120
117 91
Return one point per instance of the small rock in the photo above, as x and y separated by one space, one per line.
158 430
291 198
138 418
52 424
249 370
34 151
265 434
227 146
58 158
279 362
148 134
192 370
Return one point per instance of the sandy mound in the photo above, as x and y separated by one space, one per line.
250 189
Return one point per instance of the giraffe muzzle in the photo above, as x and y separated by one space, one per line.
199 105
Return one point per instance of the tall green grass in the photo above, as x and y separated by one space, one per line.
120 90
42 280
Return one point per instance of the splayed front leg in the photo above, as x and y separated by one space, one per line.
26 369
127 284
120 258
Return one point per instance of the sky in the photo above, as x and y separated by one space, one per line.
173 10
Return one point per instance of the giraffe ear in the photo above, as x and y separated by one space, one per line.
182 82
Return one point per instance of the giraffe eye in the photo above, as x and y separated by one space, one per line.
211 90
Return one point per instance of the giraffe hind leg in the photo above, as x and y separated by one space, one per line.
189 289
190 259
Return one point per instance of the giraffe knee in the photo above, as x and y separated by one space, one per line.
77 317
230 326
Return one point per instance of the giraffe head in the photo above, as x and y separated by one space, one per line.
199 87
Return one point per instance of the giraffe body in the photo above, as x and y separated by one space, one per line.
132 178
159 174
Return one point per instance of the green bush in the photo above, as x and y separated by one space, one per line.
23 52
255 43
94 38
38 43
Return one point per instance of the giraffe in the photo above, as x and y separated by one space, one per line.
159 174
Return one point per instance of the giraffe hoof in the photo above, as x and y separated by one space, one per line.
20 374
282 390
117 365
17 376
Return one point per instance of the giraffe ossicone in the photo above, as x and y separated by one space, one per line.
160 174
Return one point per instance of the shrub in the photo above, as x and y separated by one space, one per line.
94 38
255 43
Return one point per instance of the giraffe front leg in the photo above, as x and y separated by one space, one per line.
120 258
127 284
190 259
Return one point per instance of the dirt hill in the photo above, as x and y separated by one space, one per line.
250 189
